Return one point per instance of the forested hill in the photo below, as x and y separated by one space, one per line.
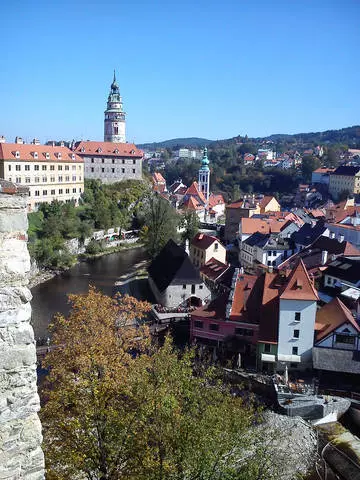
349 136
177 143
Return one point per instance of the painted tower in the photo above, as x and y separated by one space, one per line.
114 122
204 176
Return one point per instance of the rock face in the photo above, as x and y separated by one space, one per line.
21 456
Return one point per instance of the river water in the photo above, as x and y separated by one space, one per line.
51 297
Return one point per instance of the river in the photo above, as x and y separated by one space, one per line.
51 297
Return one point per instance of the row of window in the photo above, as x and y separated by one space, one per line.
27 168
267 349
53 192
93 169
45 179
123 160
47 155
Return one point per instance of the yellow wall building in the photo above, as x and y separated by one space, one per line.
50 172
344 179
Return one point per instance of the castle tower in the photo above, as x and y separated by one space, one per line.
114 122
204 176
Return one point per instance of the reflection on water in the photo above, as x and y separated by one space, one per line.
51 297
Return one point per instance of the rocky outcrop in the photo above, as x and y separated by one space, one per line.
21 456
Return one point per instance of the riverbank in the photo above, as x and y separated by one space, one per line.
40 276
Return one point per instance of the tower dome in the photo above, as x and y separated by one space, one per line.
204 175
114 122
205 161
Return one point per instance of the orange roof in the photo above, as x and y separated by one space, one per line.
324 170
269 319
192 204
331 316
194 190
108 148
266 200
37 153
299 285
244 285
215 199
252 225
158 178
350 250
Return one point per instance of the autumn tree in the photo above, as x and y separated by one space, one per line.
117 407
87 423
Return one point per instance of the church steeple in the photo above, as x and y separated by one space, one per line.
204 176
114 122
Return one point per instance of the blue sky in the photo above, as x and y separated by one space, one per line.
211 69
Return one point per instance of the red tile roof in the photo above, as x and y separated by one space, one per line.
252 225
158 178
324 170
194 190
213 269
299 285
269 319
265 201
192 204
215 199
331 316
204 241
28 153
246 299
215 310
102 149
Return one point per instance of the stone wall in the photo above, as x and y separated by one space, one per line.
21 455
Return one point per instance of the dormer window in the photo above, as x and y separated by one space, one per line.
73 156
116 151
47 155
99 150
82 149
17 154
59 155
36 155
132 152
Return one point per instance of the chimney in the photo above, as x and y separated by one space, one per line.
19 140
2 139
324 257
332 235
341 238
35 141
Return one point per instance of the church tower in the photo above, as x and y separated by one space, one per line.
114 122
204 176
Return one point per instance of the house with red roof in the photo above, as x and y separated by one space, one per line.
270 318
206 247
337 340
110 162
159 183
50 172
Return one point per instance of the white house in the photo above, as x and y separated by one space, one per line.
174 280
297 313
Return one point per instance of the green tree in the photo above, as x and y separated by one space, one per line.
308 165
160 224
190 223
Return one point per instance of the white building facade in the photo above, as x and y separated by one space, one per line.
110 162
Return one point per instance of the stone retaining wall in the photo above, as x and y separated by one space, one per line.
21 456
